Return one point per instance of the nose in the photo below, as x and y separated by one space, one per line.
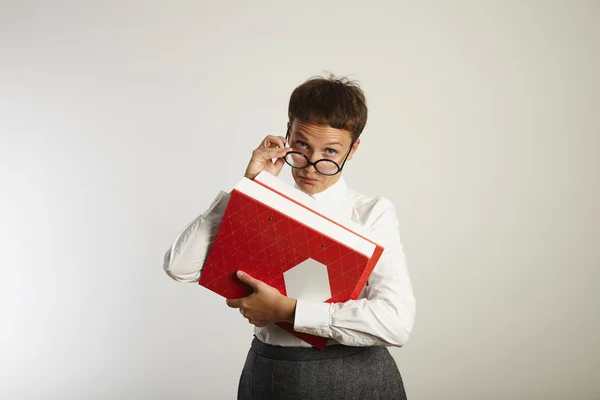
313 157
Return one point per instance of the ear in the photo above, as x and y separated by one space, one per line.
354 148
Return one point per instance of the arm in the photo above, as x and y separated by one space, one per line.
185 258
386 315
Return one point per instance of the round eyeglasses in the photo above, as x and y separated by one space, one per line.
295 159
324 166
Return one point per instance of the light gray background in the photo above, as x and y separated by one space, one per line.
121 120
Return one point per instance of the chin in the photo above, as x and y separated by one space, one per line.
306 187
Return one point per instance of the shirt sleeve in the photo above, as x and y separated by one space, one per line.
185 258
385 316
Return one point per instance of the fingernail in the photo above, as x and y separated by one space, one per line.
240 274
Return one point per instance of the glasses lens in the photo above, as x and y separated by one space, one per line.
327 167
296 160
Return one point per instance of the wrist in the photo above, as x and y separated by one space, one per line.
288 310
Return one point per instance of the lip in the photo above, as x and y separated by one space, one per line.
309 180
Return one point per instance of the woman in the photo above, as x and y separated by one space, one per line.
326 119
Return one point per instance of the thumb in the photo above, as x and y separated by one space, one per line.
248 280
278 165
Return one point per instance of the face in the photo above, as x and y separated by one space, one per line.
318 142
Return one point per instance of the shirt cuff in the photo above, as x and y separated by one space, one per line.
312 317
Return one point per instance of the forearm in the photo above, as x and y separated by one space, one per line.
361 322
185 258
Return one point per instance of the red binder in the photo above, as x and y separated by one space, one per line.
270 228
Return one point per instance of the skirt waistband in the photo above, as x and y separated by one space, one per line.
304 353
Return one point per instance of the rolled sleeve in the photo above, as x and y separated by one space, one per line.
185 258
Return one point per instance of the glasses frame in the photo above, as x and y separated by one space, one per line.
314 164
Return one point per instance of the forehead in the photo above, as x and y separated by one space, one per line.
320 133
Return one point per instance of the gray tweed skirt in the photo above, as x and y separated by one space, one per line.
338 372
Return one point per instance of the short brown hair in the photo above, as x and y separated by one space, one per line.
334 101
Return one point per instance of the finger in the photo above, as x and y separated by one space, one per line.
274 141
234 303
283 140
278 165
248 280
267 154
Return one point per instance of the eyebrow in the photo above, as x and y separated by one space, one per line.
303 136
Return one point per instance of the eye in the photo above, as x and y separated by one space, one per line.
301 144
331 152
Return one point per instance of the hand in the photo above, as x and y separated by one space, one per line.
266 305
271 147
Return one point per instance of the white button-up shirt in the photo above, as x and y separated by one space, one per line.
383 314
